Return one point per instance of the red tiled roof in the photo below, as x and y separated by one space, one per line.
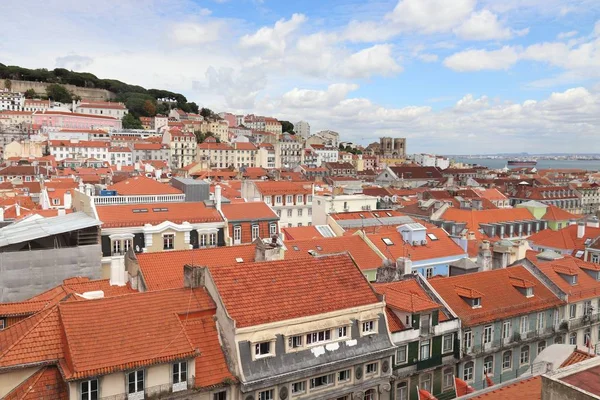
587 379
164 270
147 146
282 187
364 256
252 211
500 299
473 218
554 213
406 296
280 290
563 239
394 323
576 357
141 185
46 383
121 215
301 232
525 389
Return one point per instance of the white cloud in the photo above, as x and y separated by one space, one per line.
306 98
427 57
430 16
194 33
74 62
370 61
566 35
478 60
484 25
469 104
273 39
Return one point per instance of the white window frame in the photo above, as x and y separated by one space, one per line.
314 338
571 336
487 334
289 199
330 381
400 361
237 234
447 349
425 344
179 383
524 324
297 392
212 239
278 199
168 237
255 232
369 327
468 371
467 339
272 229
342 332
572 311
88 395
258 353
485 369
289 213
347 372
510 360
447 372
524 350
299 199
373 367
402 391
506 330
136 383
540 321
295 342
268 394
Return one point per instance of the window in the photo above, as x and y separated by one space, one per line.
447 378
2 323
558 340
299 198
573 338
180 372
255 232
220 396
135 381
487 334
425 382
344 375
428 273
237 234
265 395
279 213
541 346
268 199
289 213
212 239
89 390
488 365
168 241
587 307
202 241
524 359
289 199
342 332
468 371
56 202
262 349
299 212
298 387
370 394
309 198
116 247
371 368
477 302
524 328
425 350
402 391
507 360
540 321
294 342
278 199
506 330
467 340
368 327
401 355
318 337
272 229
310 212
572 311
321 381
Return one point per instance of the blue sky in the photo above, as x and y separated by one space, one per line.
460 76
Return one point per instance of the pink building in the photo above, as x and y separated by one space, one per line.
230 118
69 120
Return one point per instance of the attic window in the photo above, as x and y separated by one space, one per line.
476 302
160 209
432 236
239 260
388 241
529 292
362 216
296 248
572 279
376 215
579 253
588 241
388 214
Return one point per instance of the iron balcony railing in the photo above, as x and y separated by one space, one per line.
166 391
432 362
510 341
585 320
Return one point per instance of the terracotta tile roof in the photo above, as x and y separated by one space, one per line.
164 270
365 257
282 187
244 146
406 296
564 239
473 218
444 246
467 293
576 357
586 286
141 185
44 384
554 213
256 172
587 379
394 323
280 290
301 233
24 308
521 282
148 146
525 389
252 211
211 366
90 329
121 215
499 298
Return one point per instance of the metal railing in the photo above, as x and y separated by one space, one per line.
429 363
493 314
161 198
154 392
582 321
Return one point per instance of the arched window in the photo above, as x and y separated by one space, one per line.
541 346
558 340
507 360
370 394
468 371
524 359
488 365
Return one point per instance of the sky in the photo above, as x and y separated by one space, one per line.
452 76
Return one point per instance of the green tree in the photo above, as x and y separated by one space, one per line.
30 94
149 108
287 127
206 113
59 93
130 121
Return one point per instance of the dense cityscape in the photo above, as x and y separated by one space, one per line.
263 200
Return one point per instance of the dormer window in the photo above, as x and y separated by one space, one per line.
476 302
262 349
529 292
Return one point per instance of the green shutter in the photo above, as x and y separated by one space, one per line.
414 381
413 352
434 318
437 380
416 320
436 347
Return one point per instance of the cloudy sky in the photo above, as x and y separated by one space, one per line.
453 76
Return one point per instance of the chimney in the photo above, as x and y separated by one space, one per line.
118 166
117 271
218 197
580 230
68 200
404 266
593 222
18 209
1 213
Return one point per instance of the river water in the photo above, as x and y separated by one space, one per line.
497 163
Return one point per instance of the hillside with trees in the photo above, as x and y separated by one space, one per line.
140 101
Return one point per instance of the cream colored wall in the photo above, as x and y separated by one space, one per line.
160 374
112 385
12 379
157 241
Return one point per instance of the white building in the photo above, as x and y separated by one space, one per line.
431 160
325 205
332 138
290 151
11 101
115 110
302 128
292 201
120 155
325 154
268 157
79 149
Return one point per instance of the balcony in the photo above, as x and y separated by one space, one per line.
446 327
585 320
407 335
154 392
432 362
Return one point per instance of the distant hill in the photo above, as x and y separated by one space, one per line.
140 101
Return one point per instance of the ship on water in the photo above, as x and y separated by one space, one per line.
522 163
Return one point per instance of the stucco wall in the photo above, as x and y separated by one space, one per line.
157 241
10 380
40 88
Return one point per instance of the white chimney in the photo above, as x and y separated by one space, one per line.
117 271
18 209
580 230
68 200
218 197
1 213
593 222
118 166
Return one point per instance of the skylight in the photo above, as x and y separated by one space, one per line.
140 210
588 241
388 241
432 236
579 253
319 248
239 259
388 214
296 248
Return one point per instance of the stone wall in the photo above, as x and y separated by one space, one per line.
40 88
